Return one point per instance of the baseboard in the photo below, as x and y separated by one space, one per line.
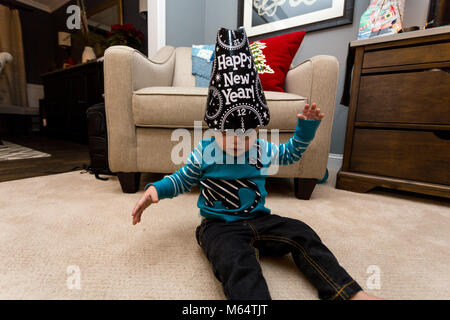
335 160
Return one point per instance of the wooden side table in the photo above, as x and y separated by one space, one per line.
398 126
68 94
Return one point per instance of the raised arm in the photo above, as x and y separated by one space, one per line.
289 152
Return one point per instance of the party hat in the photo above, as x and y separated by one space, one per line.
235 98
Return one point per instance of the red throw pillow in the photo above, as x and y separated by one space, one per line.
273 57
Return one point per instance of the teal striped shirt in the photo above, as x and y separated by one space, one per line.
233 188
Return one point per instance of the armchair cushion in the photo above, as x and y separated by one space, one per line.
178 107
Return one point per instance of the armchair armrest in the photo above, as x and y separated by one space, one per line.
127 70
316 79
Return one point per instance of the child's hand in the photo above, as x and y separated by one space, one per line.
311 113
150 196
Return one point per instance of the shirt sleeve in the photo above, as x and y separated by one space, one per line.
291 151
182 180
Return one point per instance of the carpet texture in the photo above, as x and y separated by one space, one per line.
54 224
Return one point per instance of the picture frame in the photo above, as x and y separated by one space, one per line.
105 14
263 17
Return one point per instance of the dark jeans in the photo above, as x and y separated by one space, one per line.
233 248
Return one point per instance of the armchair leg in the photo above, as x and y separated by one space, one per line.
129 181
303 188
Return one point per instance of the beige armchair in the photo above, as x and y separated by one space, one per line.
146 99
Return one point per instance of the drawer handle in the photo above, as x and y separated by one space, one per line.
442 134
445 69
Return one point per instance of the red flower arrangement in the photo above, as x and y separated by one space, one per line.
125 34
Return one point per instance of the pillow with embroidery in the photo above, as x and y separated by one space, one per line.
273 57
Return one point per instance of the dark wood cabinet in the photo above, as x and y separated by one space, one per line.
68 93
398 127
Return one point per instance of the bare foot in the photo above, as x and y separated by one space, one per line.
361 295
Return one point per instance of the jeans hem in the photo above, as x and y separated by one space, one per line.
347 291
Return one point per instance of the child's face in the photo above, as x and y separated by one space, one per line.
236 144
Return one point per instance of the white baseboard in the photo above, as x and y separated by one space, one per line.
335 160
335 156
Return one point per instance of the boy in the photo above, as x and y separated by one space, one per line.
236 226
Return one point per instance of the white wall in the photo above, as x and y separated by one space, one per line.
156 24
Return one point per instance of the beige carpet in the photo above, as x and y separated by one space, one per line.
50 223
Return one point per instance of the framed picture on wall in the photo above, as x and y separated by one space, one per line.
104 14
266 16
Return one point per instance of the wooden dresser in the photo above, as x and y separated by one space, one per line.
398 127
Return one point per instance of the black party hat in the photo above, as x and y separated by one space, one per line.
235 98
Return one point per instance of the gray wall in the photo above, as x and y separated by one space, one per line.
334 42
185 22
219 13
197 21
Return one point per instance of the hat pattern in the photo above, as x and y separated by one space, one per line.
235 96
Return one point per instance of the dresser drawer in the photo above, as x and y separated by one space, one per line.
413 155
410 97
412 55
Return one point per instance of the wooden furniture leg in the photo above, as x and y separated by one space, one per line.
129 181
303 188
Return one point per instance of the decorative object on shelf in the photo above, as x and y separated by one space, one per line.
261 16
84 23
65 44
68 62
105 13
382 17
236 98
88 54
127 35
64 39
413 28
91 38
